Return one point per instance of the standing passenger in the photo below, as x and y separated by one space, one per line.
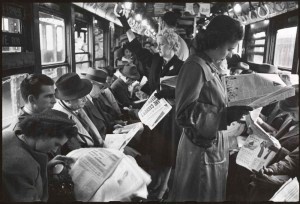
202 159
169 20
165 136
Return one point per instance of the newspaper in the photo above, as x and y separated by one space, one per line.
126 133
153 111
255 90
92 168
288 192
103 175
256 151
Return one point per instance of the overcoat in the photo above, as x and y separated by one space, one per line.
24 171
203 151
165 136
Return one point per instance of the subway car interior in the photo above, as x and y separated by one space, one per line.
150 101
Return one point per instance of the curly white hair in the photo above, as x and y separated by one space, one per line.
171 37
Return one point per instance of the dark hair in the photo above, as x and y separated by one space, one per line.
42 127
32 84
170 18
221 29
196 4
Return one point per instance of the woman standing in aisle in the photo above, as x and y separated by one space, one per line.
202 158
164 138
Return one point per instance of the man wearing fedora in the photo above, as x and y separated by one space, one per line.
120 86
72 91
98 107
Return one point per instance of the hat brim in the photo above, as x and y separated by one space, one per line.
130 76
84 90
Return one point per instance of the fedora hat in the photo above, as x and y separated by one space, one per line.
265 68
130 71
97 75
241 65
291 103
69 86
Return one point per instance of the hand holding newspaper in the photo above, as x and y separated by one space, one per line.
153 111
125 134
103 175
258 149
256 90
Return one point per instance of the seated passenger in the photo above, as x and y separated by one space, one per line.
71 92
24 154
37 91
120 86
97 107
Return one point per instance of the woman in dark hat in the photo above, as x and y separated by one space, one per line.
165 136
203 152
24 154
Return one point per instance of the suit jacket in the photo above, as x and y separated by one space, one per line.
96 117
24 171
15 124
120 90
83 139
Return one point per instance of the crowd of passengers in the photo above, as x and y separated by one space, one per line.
186 154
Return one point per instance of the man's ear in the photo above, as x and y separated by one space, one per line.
31 99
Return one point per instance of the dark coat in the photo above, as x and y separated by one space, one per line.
24 171
120 90
155 65
165 136
96 116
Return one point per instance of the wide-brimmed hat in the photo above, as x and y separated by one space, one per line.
97 75
70 86
241 65
265 68
291 103
130 71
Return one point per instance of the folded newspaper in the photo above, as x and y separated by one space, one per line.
123 136
288 192
153 111
103 175
256 151
256 90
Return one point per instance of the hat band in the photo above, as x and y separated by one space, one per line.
95 78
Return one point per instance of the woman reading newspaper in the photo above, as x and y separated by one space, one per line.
165 136
202 158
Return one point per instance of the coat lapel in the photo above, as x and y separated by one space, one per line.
92 108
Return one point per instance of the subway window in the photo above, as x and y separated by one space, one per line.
11 98
285 47
82 56
52 38
55 73
11 26
98 45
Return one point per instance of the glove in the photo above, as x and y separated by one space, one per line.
124 21
234 113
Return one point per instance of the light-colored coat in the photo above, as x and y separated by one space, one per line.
82 132
203 152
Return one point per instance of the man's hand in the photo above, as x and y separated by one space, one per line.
60 159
